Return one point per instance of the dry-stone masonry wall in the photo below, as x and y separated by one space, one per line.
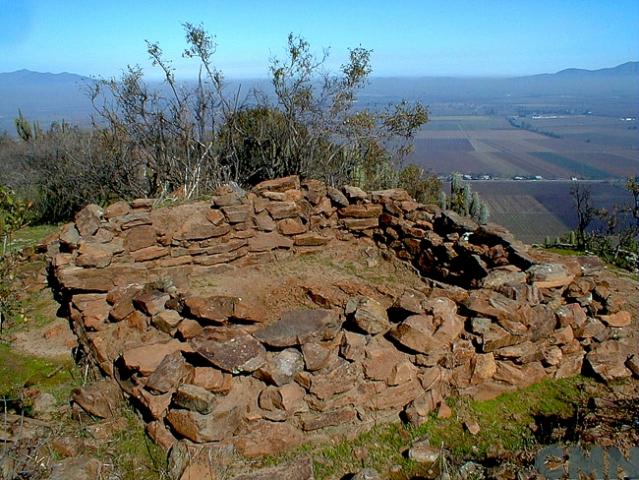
211 369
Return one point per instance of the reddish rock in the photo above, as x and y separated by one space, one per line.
381 360
134 219
94 255
236 213
93 309
263 221
100 398
315 421
497 337
416 412
311 239
633 364
369 315
617 320
151 302
138 321
592 328
199 428
364 210
101 280
281 367
280 210
221 259
542 322
196 229
232 351
167 320
150 253
88 220
570 365
550 275
268 438
171 371
509 373
160 435
279 184
607 360
291 399
485 368
147 358
318 355
397 397
402 372
338 380
265 242
193 397
410 302
563 336
215 216
139 237
188 329
337 197
291 226
416 333
69 236
155 404
211 379
213 309
359 224
227 198
117 209
498 277
472 426
300 326
352 346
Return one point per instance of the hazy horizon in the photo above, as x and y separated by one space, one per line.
413 39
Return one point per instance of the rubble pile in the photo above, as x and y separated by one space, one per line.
215 370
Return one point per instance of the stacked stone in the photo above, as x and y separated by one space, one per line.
211 370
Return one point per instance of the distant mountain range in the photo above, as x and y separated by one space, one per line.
46 97
28 77
628 68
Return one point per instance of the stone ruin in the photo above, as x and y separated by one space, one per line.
213 370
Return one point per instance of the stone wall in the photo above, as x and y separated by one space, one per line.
488 320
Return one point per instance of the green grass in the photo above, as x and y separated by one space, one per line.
505 425
134 455
55 376
30 236
505 421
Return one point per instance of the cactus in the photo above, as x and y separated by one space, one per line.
483 215
443 201
572 238
466 199
23 128
475 207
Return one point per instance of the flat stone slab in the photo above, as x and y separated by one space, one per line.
298 327
233 352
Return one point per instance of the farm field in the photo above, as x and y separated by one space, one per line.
588 147
532 210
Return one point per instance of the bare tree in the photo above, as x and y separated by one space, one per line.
581 196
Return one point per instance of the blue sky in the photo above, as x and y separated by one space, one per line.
408 37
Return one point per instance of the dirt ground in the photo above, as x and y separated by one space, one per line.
327 278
